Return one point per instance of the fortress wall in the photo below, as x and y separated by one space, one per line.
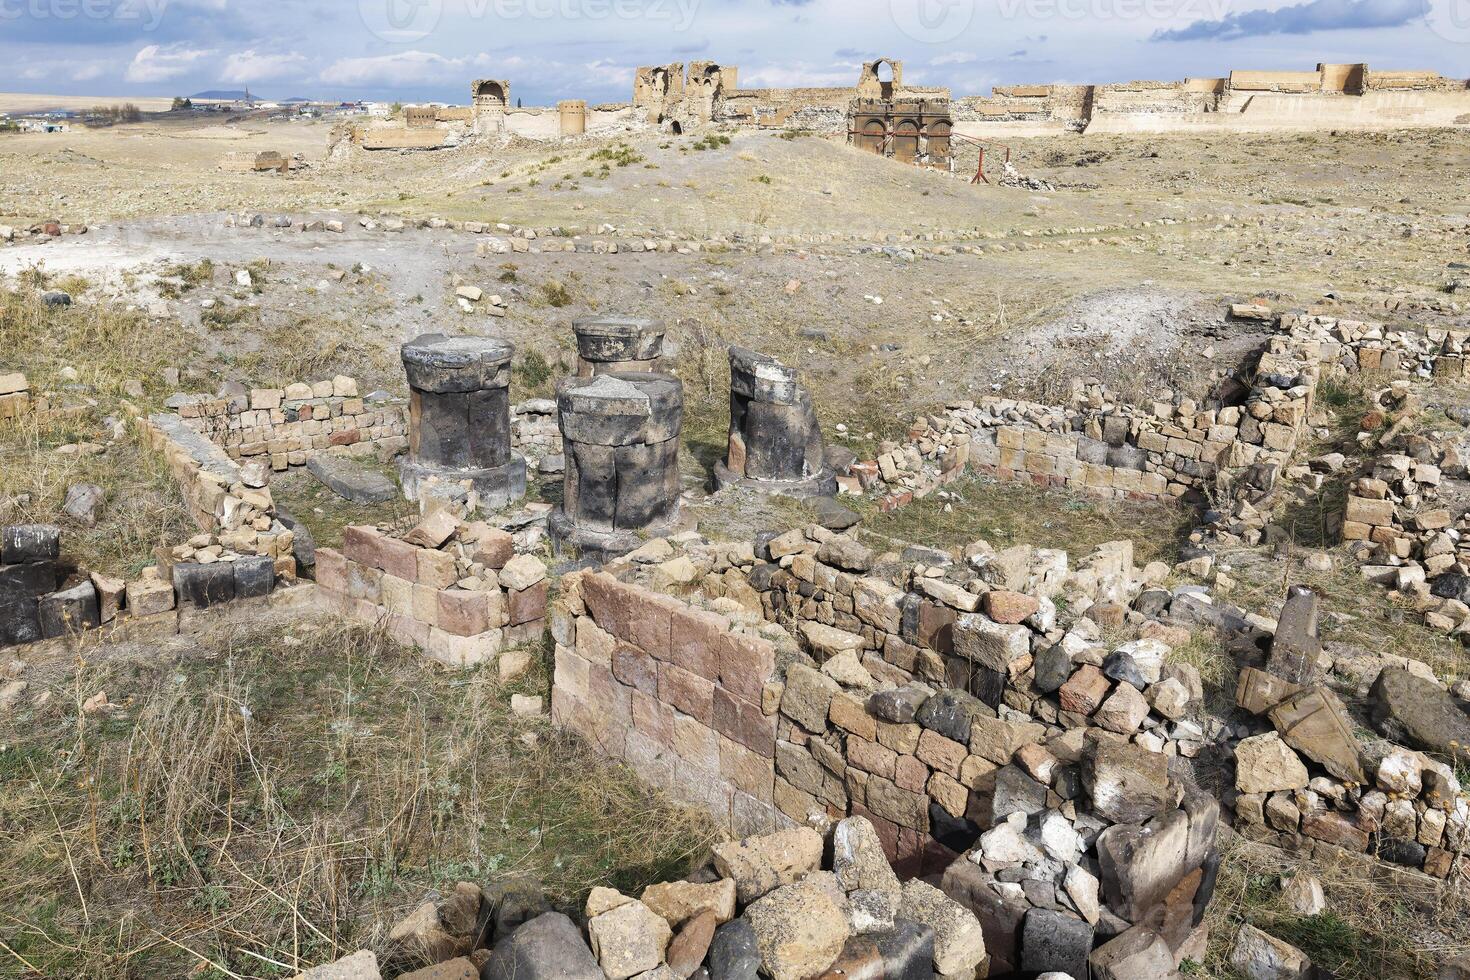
1287 113
1276 81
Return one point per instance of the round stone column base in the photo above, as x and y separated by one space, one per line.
824 484
497 486
600 546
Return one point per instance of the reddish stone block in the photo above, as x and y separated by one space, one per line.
944 754
464 613
608 602
633 667
910 774
360 543
650 621
494 548
347 437
527 605
936 627
887 830
686 691
1008 607
331 570
746 665
1084 690
738 719
694 641
398 558
871 757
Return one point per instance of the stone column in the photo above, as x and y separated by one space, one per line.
459 420
617 343
620 435
776 444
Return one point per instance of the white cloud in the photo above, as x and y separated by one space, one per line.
404 68
798 76
158 64
954 58
87 73
248 67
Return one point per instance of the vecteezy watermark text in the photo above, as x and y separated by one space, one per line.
144 14
413 20
1116 10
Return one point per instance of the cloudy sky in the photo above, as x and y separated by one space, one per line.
553 49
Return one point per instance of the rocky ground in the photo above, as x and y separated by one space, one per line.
891 290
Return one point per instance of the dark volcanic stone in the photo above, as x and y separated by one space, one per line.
255 576
1055 942
69 611
204 585
549 947
907 950
350 481
733 955
29 542
1418 712
951 713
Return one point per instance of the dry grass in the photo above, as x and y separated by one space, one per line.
105 344
275 799
143 507
1373 927
1353 610
1007 514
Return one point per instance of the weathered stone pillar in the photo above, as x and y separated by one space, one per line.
606 344
620 434
459 419
776 444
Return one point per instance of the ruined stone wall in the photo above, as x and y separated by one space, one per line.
462 600
704 704
1107 448
679 693
288 426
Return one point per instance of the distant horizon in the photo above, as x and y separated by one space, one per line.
430 50
390 96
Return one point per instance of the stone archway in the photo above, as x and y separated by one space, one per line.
491 93
906 140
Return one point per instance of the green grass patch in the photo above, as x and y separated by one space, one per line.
1007 514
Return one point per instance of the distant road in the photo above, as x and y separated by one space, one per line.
22 102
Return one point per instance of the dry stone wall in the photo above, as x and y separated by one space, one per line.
288 426
455 590
1039 826
1102 446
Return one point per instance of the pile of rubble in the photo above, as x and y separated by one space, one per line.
788 906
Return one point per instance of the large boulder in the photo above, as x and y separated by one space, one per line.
959 942
761 864
629 939
1260 956
549 947
1417 711
800 928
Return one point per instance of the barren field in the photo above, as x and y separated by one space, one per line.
891 290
